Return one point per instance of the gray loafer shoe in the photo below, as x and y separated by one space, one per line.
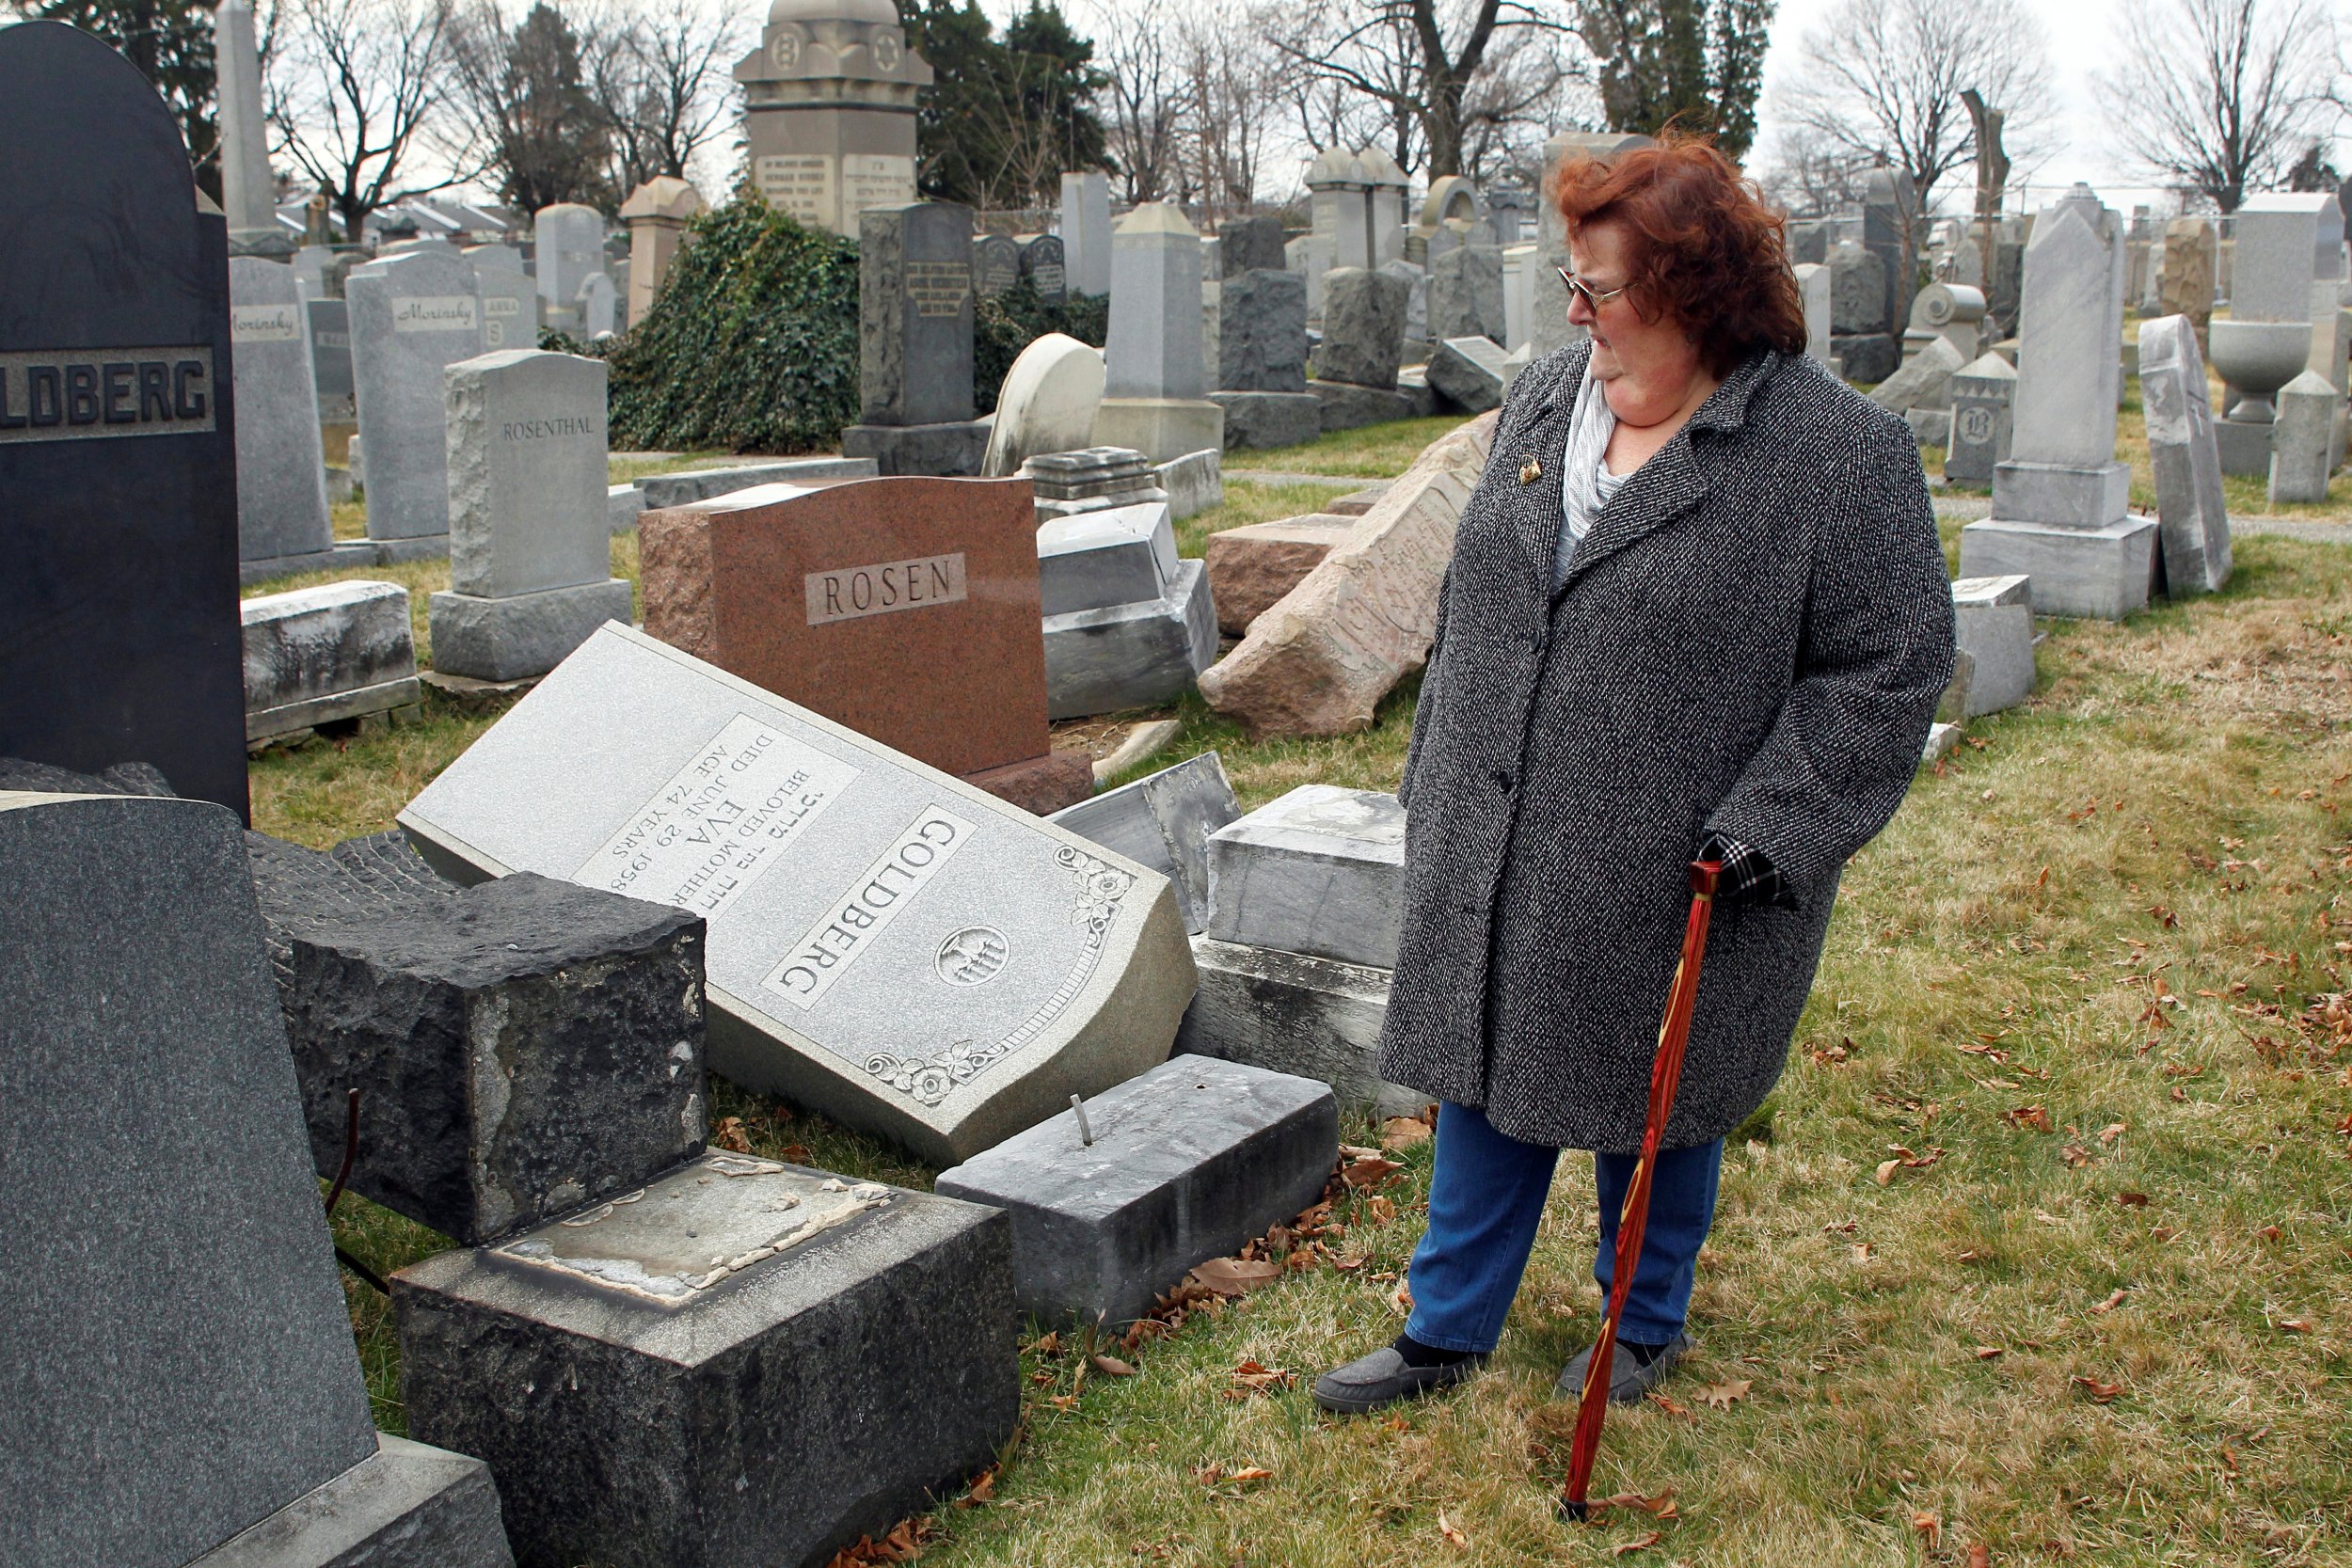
1629 1382
1382 1378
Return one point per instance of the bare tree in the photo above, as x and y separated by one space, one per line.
2221 95
353 84
1148 124
1811 177
1883 78
1231 92
1419 59
660 77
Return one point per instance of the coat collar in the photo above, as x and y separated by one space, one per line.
1673 480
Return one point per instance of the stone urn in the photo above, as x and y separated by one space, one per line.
2257 358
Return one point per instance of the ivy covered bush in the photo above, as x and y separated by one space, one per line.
751 345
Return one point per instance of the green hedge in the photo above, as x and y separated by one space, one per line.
752 344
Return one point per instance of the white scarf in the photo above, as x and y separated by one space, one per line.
1581 469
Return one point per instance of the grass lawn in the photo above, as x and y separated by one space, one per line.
2085 993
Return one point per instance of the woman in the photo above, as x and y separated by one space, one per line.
1696 608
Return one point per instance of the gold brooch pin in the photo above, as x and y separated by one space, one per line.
1529 471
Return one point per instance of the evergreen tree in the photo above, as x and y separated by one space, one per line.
171 43
1697 64
549 142
1007 117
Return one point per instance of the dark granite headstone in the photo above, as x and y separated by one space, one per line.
118 444
914 342
995 264
521 1047
1042 263
1250 245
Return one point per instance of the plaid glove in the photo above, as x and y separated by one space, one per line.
1748 879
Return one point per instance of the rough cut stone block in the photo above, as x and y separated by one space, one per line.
1469 373
1194 483
177 1365
521 1047
1867 357
1929 427
1137 654
1995 620
957 448
1923 382
2193 520
405 1504
743 1362
1095 560
1319 662
1163 822
1262 333
1252 566
1289 1013
622 503
2106 573
522 635
888 945
1265 419
1187 1162
1344 407
338 651
1363 327
1320 871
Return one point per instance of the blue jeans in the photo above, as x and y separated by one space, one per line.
1485 1198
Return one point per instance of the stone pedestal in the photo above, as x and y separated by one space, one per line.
1346 407
1160 428
1186 1163
829 107
1134 654
914 342
1320 871
1289 1013
1266 419
2106 572
1994 617
2244 446
657 214
744 1352
523 634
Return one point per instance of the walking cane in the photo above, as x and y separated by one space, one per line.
1665 1073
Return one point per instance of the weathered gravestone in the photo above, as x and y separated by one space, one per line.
1250 245
530 540
1041 264
1813 288
1153 371
888 945
657 214
2186 286
570 240
1163 822
1923 383
995 264
1047 404
1466 295
1993 617
1320 871
1170 1170
1983 396
905 609
2193 520
741 1361
1319 662
1085 231
598 307
914 342
1469 373
1091 480
1127 624
412 317
2303 438
1261 360
2058 503
178 1372
330 358
1363 327
118 446
520 1049
1252 566
313 656
281 474
510 298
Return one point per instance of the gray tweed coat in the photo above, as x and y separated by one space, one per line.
1752 640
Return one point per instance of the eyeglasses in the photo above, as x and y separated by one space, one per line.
1593 297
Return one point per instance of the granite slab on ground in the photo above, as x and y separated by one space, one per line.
1136 655
1186 1162
341 650
741 1363
1252 566
521 1047
888 943
1291 1013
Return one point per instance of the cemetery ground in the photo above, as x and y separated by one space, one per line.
2039 1245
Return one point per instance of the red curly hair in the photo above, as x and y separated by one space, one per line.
1706 250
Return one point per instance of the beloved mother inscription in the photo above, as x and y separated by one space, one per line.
886 945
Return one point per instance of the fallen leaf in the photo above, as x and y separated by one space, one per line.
1720 1395
1255 1377
1209 1475
1980 1556
1454 1537
2164 1232
1669 1406
1382 1210
2269 1233
2132 1200
1862 1252
2111 1132
2075 1155
2028 1115
1235 1277
1929 1526
1403 1132
1370 1172
1626 1548
984 1490
1661 1506
729 1134
2100 1392
2110 1304
1254 1472
1987 1352
796 1154
1111 1366
2295 1325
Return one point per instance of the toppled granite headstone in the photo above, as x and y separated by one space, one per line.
1319 871
1252 566
1291 1013
341 650
1186 1162
1319 662
1163 821
742 1361
521 1047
